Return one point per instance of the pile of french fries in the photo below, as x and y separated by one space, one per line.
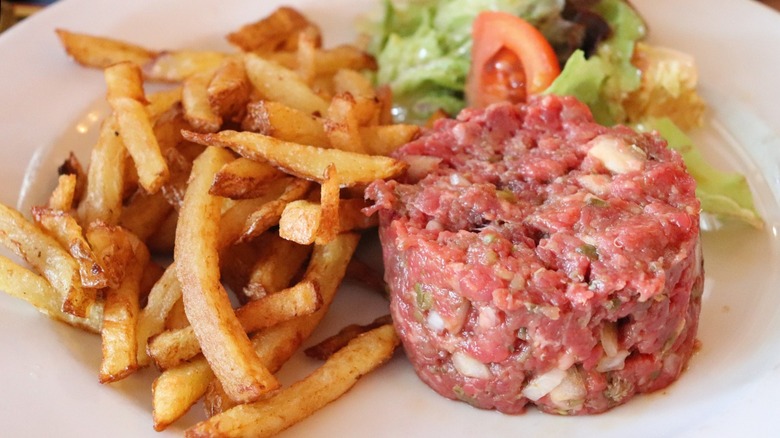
248 168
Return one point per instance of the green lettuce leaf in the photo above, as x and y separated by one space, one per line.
723 194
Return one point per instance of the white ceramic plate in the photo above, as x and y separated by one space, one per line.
49 106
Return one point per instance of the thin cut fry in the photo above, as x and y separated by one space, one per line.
303 161
127 99
228 91
326 348
269 33
195 100
62 196
289 124
101 52
280 84
179 65
243 179
291 405
221 336
104 184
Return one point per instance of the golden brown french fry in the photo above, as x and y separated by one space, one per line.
171 348
177 389
47 257
26 285
273 345
384 96
308 40
222 339
62 196
195 100
161 241
120 315
72 166
151 321
330 192
176 318
271 267
300 221
269 214
277 83
144 213
342 125
289 124
104 183
385 139
291 405
161 102
271 32
63 227
366 107
303 161
176 66
228 91
329 346
243 178
126 97
101 52
113 250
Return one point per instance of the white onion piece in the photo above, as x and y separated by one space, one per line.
570 392
616 155
542 384
470 367
609 339
435 321
612 363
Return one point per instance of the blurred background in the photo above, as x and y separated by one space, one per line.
11 12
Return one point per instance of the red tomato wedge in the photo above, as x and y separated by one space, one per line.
510 60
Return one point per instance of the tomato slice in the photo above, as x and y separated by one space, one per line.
510 60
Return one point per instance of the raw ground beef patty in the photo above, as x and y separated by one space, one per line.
534 256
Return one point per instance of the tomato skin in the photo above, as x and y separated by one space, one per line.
495 32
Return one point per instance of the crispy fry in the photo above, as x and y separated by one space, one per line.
101 52
342 125
329 61
243 178
291 405
222 339
161 241
176 318
63 227
144 213
120 316
113 250
228 91
361 272
303 161
289 124
329 207
271 32
269 214
127 99
151 321
273 345
161 102
329 346
195 100
179 65
48 258
384 139
24 284
104 185
274 82
72 166
171 348
62 196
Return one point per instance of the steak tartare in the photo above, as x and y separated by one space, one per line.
534 256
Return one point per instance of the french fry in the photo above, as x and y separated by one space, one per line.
144 213
152 319
228 91
366 106
26 285
271 32
62 196
104 187
269 214
330 192
291 405
300 221
47 257
329 346
308 40
243 178
329 61
161 102
100 52
113 250
342 125
222 339
195 100
176 66
274 82
276 261
273 345
72 166
385 139
171 348
63 227
120 315
127 99
161 241
303 161
289 124
176 318
361 272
